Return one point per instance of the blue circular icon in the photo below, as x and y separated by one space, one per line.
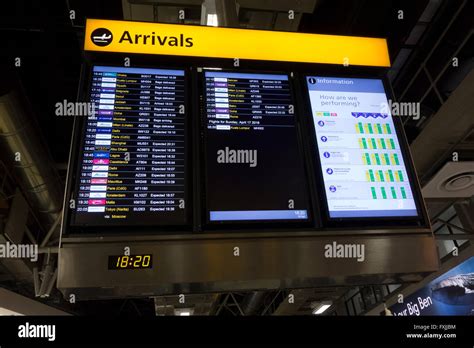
332 188
324 139
329 171
321 123
326 154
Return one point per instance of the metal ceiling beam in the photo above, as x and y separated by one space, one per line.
433 48
444 129
25 306
302 6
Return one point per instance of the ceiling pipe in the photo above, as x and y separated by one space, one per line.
25 150
252 302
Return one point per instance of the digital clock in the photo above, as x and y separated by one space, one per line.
130 261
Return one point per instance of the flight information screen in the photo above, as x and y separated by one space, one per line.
254 171
362 165
132 167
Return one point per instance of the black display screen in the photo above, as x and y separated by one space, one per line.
254 169
132 167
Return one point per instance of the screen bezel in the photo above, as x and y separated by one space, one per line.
237 225
70 228
314 162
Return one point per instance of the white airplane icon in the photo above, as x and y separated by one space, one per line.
102 38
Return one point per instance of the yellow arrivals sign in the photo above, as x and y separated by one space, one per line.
215 42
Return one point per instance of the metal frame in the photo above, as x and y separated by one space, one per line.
209 265
229 303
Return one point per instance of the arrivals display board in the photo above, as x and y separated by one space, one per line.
253 165
361 161
132 160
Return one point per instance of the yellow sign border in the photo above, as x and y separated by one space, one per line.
217 42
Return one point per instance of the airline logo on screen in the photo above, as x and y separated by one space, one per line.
203 41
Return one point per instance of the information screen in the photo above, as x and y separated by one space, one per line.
362 165
132 168
254 170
